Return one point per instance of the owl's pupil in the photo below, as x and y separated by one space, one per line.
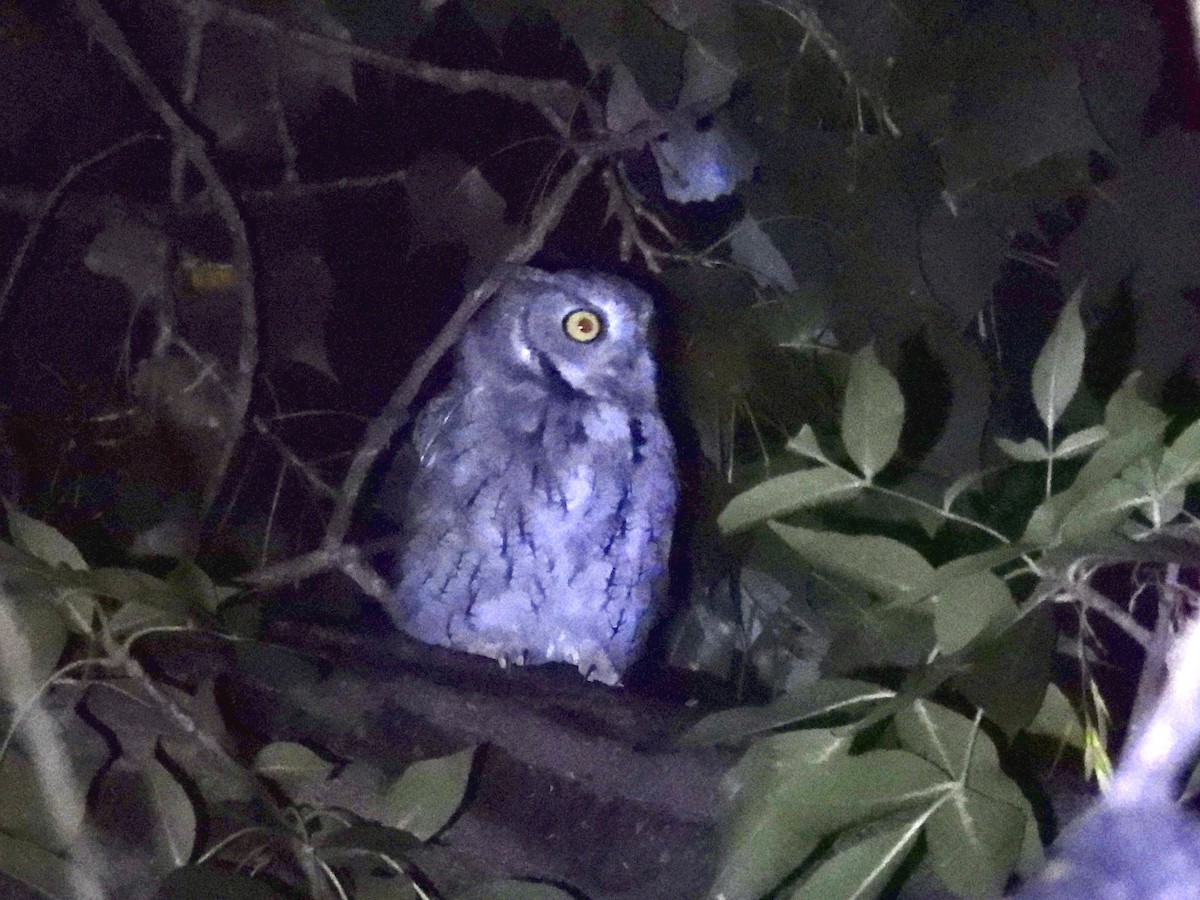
582 326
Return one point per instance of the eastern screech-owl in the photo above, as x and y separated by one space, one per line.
538 523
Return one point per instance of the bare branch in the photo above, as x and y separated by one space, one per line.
103 29
345 557
48 205
554 99
395 414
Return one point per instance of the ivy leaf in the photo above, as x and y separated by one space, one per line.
1059 366
872 413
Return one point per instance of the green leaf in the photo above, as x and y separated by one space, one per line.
515 890
1100 511
202 883
43 541
1009 672
976 837
291 764
824 697
378 839
965 607
759 846
1057 719
975 842
23 810
764 835
193 582
1059 366
878 634
43 632
175 816
804 442
881 565
786 494
963 567
872 413
131 585
1080 442
134 616
862 870
1029 450
373 882
959 485
1106 463
1181 461
426 796
1128 411
36 867
792 789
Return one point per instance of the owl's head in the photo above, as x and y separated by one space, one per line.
574 332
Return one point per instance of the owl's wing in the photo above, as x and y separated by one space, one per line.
433 422
419 451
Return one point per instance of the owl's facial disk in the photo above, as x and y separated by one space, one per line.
592 340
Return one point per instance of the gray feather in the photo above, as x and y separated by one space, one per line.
539 521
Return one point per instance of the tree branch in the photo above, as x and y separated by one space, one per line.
396 413
554 99
103 29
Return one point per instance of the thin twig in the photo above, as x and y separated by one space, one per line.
1093 599
346 557
50 202
551 97
395 414
103 29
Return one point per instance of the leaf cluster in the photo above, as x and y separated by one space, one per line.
819 811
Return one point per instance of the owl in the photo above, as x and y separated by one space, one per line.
538 523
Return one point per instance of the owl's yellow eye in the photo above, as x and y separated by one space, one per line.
583 325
